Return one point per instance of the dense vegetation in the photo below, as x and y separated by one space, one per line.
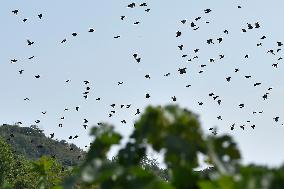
33 144
174 131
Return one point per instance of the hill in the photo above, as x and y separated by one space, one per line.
32 143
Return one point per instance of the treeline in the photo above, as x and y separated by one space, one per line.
174 131
33 144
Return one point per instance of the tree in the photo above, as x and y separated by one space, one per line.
6 160
50 172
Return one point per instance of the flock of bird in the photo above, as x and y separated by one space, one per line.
194 25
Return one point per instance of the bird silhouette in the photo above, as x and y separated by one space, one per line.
249 26
263 37
241 105
143 5
14 60
91 30
147 76
192 24
265 96
257 25
30 42
40 16
232 127
276 119
210 41
215 97
207 11
15 11
279 43
178 34
137 112
220 39
182 70
219 102
131 5
180 47
256 84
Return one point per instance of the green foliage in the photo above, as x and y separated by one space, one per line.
172 130
177 132
18 172
33 144
15 170
50 172
153 166
6 159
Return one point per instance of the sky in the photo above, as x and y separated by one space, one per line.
104 61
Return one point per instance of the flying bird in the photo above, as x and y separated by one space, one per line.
178 34
207 11
40 16
30 42
183 21
15 12
91 30
131 5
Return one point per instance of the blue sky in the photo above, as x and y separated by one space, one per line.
104 61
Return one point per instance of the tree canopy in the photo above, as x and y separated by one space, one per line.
32 143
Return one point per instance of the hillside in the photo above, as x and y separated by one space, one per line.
32 143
